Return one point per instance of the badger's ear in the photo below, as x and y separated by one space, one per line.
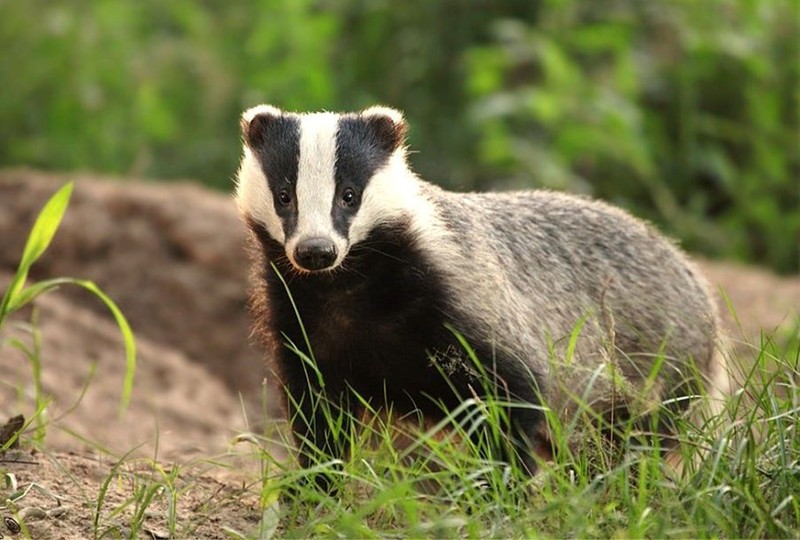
387 126
255 123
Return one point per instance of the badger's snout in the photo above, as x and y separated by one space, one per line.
317 253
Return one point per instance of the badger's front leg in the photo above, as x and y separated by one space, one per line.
516 430
321 419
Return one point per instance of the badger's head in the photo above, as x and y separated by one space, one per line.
318 183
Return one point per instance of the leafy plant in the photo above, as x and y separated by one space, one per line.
19 294
686 112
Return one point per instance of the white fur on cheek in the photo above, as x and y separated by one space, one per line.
253 196
391 193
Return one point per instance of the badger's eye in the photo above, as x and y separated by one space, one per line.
284 198
348 197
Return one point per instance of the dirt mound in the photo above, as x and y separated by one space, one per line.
170 255
173 258
176 407
64 507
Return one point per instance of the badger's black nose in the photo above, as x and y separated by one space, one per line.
315 253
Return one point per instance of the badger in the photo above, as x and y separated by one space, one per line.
374 287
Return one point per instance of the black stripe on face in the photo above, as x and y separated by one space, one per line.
363 146
275 141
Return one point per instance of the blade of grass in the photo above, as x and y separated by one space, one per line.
28 294
45 227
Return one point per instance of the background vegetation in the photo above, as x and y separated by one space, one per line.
684 111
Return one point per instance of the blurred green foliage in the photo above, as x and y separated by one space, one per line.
684 111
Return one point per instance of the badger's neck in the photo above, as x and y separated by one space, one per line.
387 286
392 248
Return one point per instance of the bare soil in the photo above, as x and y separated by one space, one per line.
173 257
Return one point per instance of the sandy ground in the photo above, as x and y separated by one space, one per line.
173 257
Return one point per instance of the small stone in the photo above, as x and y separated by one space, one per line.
11 429
58 511
32 513
157 534
12 525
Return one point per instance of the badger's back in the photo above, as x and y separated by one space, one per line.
535 265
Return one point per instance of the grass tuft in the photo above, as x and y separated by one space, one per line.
739 473
18 295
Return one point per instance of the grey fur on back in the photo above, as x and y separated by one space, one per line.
533 265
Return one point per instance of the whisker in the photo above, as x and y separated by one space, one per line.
344 267
385 254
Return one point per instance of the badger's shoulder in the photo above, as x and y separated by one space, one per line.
549 258
546 224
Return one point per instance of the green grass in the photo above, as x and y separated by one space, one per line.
740 476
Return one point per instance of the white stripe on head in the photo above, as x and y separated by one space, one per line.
316 182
